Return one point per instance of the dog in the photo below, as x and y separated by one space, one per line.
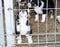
40 8
23 26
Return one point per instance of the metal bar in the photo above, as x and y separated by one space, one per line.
37 34
10 26
2 40
40 43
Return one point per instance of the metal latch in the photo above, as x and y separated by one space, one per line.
9 9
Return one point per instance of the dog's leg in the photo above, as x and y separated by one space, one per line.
19 40
36 17
43 17
58 19
29 37
51 16
18 28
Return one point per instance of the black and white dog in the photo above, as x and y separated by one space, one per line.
40 8
23 26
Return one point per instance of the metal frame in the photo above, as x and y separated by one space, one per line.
2 38
9 20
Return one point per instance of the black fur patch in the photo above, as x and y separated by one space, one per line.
17 17
50 5
35 12
27 23
17 33
17 20
31 31
18 23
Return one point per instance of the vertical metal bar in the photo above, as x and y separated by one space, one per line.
55 22
47 23
38 26
28 16
2 40
10 26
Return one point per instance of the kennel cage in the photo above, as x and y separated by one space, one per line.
45 34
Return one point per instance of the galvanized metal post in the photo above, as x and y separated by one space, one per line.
10 26
2 40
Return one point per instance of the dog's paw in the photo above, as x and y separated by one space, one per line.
30 41
51 17
36 19
19 42
42 20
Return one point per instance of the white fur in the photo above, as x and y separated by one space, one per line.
51 16
23 19
29 5
23 28
38 10
58 18
36 17
43 17
19 39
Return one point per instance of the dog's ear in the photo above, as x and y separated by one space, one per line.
20 11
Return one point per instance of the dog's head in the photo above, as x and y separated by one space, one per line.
21 2
35 3
23 13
